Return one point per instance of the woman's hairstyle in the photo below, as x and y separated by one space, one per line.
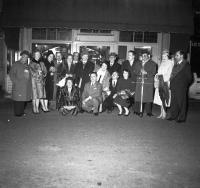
69 78
93 73
69 55
169 55
126 70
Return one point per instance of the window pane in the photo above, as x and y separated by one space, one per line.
94 31
138 36
64 34
150 37
51 34
126 36
38 33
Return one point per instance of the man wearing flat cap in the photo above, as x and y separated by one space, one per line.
21 83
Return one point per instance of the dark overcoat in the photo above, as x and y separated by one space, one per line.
20 76
148 87
82 72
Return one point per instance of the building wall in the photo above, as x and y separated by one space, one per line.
111 40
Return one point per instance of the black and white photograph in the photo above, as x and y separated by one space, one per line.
99 93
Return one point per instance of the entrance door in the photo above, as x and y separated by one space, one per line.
96 51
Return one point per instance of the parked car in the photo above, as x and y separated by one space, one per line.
194 90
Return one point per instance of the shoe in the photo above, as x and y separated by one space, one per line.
180 121
127 114
170 119
140 114
96 113
45 111
150 114
109 111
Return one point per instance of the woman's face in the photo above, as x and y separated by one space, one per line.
37 55
50 57
165 56
125 75
69 83
104 67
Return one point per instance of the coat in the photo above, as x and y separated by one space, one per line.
20 76
60 71
82 72
131 69
123 85
50 80
69 99
180 79
115 67
93 91
148 87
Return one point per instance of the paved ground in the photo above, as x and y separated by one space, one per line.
51 151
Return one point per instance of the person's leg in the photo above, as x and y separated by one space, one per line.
174 109
43 105
127 112
96 104
34 105
120 109
19 108
182 110
46 104
37 105
148 108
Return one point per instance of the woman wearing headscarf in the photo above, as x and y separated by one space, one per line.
49 83
38 72
162 95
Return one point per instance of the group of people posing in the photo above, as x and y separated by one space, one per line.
76 84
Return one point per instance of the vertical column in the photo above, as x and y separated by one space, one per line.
25 39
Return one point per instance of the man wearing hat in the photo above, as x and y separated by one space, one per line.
83 70
21 83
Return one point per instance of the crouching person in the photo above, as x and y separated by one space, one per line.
92 95
68 98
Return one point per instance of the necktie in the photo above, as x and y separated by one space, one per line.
99 78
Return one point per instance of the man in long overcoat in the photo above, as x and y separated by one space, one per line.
21 83
144 91
180 79
83 70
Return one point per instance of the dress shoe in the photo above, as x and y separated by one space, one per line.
127 114
180 121
149 114
170 119
140 114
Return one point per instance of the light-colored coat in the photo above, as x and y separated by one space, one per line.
21 79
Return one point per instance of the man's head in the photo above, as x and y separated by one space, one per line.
75 56
24 56
112 57
179 56
93 77
59 56
69 58
131 55
84 57
145 56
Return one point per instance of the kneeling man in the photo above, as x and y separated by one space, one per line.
92 95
